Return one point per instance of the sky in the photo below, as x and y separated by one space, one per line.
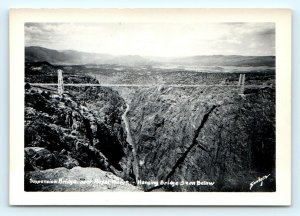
155 39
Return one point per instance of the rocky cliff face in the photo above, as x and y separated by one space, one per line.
204 134
81 128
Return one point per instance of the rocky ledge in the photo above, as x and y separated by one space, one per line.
76 179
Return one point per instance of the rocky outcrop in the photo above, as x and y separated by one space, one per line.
204 134
83 127
75 179
37 158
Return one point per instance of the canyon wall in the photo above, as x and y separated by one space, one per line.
204 134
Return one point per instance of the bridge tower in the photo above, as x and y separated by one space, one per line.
60 82
242 83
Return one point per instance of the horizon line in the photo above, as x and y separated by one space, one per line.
149 56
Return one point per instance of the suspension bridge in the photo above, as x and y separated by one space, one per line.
60 84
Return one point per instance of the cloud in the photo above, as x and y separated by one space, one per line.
153 39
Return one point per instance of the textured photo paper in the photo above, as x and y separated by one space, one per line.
150 106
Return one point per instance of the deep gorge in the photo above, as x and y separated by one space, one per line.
162 133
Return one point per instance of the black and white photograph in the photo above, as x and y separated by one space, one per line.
150 107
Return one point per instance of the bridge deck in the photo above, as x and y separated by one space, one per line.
143 85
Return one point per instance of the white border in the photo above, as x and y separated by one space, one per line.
282 18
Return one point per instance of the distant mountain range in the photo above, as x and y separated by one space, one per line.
72 57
